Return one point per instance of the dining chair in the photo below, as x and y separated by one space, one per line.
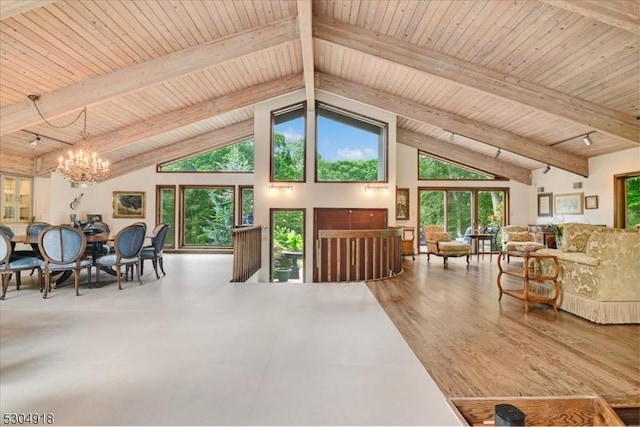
154 251
62 248
9 265
128 245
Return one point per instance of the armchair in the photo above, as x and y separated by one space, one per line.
439 243
518 235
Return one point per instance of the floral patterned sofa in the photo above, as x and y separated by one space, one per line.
599 273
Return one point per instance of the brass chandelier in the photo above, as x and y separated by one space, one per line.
81 165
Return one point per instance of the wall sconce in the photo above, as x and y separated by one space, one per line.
376 188
279 189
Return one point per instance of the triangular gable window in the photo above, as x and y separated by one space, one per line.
236 157
433 168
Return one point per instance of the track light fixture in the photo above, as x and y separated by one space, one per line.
451 137
498 153
547 169
34 142
587 141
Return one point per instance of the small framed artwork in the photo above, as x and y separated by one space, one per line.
128 204
402 203
569 204
545 204
94 217
591 202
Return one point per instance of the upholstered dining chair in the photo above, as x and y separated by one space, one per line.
8 265
154 251
128 245
62 248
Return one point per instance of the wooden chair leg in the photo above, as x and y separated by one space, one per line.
76 276
162 266
118 274
154 261
47 284
138 268
5 285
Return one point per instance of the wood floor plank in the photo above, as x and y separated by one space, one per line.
474 346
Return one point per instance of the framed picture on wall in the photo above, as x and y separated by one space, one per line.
545 204
128 204
569 204
402 203
591 202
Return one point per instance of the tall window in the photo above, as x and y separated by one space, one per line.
236 157
432 168
288 144
246 205
16 199
287 245
207 216
166 211
627 200
457 209
349 147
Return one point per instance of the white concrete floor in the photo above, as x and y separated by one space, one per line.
192 349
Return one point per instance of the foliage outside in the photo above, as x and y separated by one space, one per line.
288 158
633 202
167 212
431 168
238 157
208 216
347 170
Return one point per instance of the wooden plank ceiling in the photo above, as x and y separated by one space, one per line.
162 79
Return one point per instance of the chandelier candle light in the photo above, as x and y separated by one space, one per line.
82 166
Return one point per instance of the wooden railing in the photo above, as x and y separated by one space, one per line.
353 255
247 254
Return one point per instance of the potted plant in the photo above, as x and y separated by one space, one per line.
281 264
556 229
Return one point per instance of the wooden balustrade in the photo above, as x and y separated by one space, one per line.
354 255
247 253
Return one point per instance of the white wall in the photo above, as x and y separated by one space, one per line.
53 195
309 195
599 183
408 177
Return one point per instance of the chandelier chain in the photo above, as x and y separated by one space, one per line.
33 99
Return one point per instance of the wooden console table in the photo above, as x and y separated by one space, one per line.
528 274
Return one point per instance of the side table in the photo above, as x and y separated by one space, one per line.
529 274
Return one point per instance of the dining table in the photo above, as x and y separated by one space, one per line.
94 242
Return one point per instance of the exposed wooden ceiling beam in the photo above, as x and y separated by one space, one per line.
594 116
620 14
15 163
23 114
305 22
9 8
462 125
188 147
463 156
175 119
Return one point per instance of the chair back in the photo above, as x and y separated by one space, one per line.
7 231
5 251
129 241
62 244
35 228
161 236
157 229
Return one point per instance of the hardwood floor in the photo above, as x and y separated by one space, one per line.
474 346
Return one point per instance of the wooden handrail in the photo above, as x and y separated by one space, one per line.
354 255
247 252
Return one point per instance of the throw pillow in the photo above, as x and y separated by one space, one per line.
518 236
576 236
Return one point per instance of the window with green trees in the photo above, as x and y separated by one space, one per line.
457 209
349 147
207 215
288 144
433 168
627 200
166 211
236 157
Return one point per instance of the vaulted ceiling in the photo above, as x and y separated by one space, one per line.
165 79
